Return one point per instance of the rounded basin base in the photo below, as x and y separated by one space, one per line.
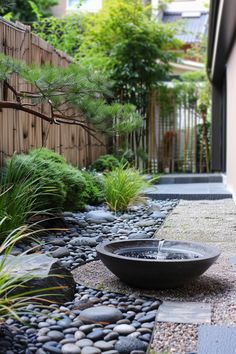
153 273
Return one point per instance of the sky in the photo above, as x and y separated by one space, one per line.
88 5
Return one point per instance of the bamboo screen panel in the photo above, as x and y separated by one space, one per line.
19 131
174 141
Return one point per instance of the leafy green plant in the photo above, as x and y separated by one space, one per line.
126 43
125 156
62 33
75 186
123 187
19 193
105 163
94 193
27 11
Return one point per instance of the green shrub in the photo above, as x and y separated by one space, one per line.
122 187
94 188
105 163
49 155
62 186
75 185
48 180
125 156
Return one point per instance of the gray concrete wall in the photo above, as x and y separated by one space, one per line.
231 122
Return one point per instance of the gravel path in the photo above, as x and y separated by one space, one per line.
212 222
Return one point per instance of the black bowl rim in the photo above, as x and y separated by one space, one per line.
101 249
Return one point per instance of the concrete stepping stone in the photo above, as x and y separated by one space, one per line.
184 312
233 261
216 340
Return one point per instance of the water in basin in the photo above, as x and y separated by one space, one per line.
153 253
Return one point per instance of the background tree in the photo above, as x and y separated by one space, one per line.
134 50
26 11
63 33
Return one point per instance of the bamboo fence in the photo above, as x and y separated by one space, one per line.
174 140
21 132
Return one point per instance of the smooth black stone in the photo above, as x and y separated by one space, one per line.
61 252
146 337
100 314
155 305
55 328
111 336
96 335
51 349
148 318
65 322
125 345
70 330
130 316
86 328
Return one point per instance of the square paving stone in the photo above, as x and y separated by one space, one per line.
216 340
233 261
184 312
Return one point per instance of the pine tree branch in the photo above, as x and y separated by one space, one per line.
52 120
18 106
13 90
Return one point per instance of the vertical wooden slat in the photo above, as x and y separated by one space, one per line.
21 132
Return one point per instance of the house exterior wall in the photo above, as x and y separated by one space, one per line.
60 9
231 122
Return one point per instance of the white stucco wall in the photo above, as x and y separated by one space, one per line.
231 122
60 9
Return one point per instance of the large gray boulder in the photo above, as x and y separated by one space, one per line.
99 217
42 272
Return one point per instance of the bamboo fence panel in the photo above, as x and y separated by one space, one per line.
172 142
21 132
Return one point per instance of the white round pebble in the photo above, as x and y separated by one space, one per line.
124 329
79 335
70 349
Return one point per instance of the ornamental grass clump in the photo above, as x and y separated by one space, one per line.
15 295
19 194
123 187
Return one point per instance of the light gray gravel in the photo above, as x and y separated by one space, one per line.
212 222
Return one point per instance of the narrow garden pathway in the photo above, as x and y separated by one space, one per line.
212 222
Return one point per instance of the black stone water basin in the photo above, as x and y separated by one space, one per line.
138 262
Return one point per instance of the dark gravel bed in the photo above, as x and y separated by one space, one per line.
125 325
63 329
76 246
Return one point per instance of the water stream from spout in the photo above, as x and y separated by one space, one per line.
160 254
